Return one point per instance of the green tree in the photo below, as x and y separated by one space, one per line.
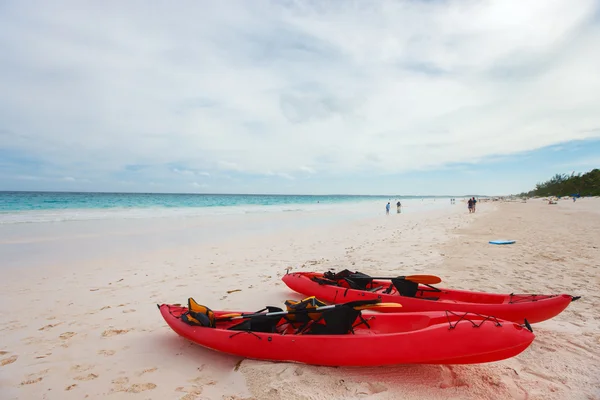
560 185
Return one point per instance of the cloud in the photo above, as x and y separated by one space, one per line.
335 87
309 170
188 172
183 171
280 174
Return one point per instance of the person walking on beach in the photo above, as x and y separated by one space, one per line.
398 205
470 203
387 208
474 204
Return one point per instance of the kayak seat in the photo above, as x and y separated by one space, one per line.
337 321
198 315
358 282
259 323
300 310
405 288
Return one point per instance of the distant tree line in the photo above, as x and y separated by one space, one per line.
559 185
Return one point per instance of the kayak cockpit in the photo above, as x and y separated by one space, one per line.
309 316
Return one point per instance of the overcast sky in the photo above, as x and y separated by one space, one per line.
371 97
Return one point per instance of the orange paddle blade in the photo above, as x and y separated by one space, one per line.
424 279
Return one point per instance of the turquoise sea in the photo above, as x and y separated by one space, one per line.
21 207
24 201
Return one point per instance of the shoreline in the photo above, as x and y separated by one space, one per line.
31 244
155 211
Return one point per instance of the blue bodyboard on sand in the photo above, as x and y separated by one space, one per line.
502 241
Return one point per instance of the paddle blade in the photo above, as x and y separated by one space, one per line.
360 303
378 306
424 279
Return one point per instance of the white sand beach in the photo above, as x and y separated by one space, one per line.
79 317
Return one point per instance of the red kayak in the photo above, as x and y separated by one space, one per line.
371 338
418 297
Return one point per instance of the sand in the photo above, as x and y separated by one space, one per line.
89 327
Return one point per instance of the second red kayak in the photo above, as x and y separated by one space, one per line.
417 297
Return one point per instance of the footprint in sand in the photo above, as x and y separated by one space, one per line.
147 371
140 387
121 383
35 377
114 332
49 326
87 377
129 311
203 380
8 360
190 393
67 335
81 368
106 352
31 381
31 340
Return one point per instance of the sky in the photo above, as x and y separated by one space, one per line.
298 97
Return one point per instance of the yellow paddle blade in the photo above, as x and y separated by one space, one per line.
424 279
379 305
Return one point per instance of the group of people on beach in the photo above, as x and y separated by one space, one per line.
471 203
398 207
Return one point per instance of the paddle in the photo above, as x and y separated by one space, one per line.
424 279
357 305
